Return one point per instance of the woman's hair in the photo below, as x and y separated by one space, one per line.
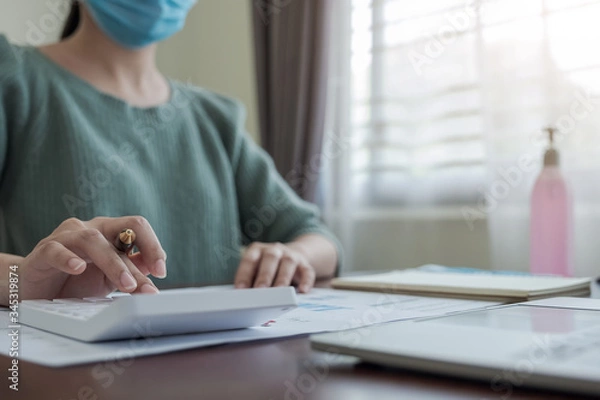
72 20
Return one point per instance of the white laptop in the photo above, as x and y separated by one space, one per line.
167 313
552 344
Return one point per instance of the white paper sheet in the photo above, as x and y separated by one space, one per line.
579 303
322 310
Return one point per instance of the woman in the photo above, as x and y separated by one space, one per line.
94 140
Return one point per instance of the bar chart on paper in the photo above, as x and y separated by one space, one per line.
332 310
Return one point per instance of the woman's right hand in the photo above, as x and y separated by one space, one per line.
80 260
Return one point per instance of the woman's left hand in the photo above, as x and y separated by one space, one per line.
274 264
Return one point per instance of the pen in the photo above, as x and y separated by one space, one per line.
125 240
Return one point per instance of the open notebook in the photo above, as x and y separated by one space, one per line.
482 286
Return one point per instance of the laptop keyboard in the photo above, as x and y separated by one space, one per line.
80 309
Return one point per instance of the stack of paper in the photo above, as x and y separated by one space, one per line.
491 287
322 310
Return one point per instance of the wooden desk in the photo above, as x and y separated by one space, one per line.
271 370
283 369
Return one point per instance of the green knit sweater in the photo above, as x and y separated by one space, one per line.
69 150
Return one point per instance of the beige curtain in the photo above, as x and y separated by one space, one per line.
292 45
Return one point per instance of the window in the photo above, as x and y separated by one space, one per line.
433 86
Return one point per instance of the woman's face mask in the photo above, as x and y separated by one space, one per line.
138 23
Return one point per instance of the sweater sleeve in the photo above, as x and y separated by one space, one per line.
10 94
270 211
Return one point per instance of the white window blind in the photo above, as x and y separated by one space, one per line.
421 108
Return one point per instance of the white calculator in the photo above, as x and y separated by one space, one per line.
168 313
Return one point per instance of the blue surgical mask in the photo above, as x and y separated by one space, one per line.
138 23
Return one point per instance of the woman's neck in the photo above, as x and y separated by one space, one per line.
114 60
128 74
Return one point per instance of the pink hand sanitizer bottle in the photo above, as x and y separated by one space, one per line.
551 225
